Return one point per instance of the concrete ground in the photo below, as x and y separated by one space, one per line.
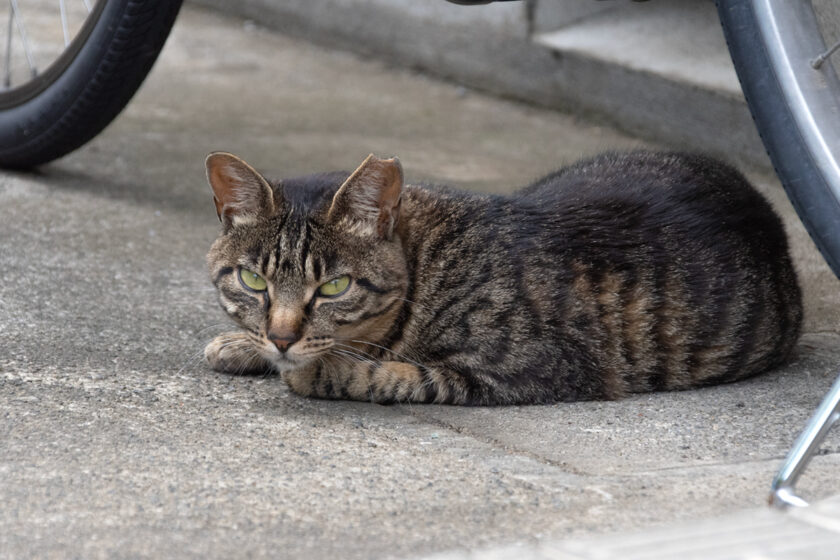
116 440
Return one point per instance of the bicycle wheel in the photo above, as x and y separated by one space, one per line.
796 107
51 113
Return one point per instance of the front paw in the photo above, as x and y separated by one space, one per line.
235 353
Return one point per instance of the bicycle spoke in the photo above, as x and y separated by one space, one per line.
22 31
817 62
30 45
63 10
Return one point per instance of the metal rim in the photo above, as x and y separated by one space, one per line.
18 95
793 40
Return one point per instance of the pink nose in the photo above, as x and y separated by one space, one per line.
283 340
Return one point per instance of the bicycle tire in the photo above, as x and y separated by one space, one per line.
809 181
88 86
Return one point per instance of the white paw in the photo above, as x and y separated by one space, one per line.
234 353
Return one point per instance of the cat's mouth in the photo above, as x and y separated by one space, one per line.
288 360
284 362
294 356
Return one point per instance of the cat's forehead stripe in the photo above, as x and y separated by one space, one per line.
264 264
292 249
271 267
308 267
254 254
279 247
305 234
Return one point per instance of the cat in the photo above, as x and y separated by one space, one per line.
625 273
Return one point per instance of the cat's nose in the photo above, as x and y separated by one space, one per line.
282 340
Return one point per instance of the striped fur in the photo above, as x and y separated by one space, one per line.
624 273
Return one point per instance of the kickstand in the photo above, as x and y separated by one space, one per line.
782 493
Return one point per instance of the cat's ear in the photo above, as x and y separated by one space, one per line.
240 193
370 197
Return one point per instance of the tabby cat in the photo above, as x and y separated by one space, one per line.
624 273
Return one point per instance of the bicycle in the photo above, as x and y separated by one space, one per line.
778 47
66 94
796 108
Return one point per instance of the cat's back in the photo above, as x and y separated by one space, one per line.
631 272
696 258
657 180
655 199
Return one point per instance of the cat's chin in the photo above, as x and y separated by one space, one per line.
281 363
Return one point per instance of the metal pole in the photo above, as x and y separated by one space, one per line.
783 494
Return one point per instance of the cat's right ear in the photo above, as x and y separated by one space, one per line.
239 191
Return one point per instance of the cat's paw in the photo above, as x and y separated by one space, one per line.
235 353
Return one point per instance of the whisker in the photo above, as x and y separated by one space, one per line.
342 359
353 356
378 364
354 349
191 361
213 326
394 352
347 358
357 357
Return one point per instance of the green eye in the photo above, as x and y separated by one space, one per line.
252 280
335 287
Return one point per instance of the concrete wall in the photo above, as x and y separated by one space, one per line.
490 47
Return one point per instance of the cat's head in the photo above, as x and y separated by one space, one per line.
311 265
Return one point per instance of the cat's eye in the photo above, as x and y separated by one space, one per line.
252 280
334 287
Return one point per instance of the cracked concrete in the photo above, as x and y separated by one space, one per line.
117 441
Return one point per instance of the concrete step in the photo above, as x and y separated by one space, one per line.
659 70
678 41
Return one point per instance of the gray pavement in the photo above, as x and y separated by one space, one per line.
116 440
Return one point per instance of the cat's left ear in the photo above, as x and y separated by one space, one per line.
370 197
239 191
